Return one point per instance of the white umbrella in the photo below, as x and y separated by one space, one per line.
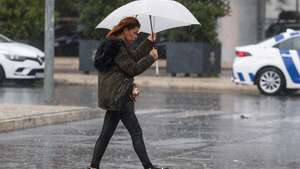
154 16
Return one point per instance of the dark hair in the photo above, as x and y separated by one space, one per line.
128 22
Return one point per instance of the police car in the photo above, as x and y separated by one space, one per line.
20 61
273 65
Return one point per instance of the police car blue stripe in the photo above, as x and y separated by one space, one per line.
290 65
241 76
279 38
252 77
294 33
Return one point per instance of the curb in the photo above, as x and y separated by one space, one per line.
49 118
193 84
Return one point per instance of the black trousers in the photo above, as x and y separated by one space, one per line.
110 123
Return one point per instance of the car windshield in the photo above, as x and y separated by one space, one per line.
4 39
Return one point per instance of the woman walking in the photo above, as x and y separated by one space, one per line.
117 65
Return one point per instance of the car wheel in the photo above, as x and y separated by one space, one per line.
2 75
270 81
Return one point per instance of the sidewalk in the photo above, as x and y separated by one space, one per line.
67 72
221 83
14 117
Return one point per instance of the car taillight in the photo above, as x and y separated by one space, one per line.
242 54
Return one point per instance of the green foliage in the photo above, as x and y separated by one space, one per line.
206 11
93 11
22 19
67 8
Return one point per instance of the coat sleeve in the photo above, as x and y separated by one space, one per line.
143 49
129 65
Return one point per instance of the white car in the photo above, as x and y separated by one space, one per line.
273 65
20 61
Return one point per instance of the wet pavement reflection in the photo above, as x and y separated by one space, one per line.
182 130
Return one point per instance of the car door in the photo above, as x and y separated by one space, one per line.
290 53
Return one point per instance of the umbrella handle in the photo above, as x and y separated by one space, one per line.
153 43
156 68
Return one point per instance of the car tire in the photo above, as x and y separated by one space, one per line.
2 75
270 81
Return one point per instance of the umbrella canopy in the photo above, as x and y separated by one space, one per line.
164 14
154 16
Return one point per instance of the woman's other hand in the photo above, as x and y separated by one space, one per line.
135 91
154 54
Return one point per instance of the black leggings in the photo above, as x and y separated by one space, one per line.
110 123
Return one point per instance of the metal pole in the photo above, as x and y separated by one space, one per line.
297 10
261 16
49 50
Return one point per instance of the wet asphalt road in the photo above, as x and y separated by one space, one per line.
182 130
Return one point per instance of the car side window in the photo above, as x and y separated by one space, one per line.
296 43
290 44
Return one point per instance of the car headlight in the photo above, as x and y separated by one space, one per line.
15 57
